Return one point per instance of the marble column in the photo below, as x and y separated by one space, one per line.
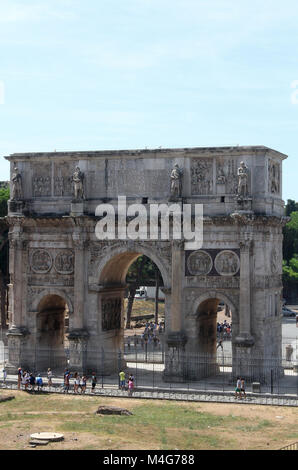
17 330
78 335
244 337
175 336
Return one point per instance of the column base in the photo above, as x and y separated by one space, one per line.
16 351
174 360
77 349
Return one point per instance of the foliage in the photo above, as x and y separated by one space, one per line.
4 196
142 272
290 232
291 206
290 270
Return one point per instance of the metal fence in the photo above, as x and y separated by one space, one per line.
290 447
154 367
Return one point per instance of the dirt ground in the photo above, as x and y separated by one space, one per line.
155 424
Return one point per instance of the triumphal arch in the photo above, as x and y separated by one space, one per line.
58 264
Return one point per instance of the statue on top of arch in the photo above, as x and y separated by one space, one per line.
176 182
78 186
16 180
242 174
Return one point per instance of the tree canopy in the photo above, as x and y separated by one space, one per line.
4 196
290 244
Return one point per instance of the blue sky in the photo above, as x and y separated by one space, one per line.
120 74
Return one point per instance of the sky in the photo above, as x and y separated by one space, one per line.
129 74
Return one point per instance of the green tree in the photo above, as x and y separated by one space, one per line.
142 272
291 206
4 196
290 270
290 242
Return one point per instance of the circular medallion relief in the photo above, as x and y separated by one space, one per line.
41 261
199 263
64 262
227 263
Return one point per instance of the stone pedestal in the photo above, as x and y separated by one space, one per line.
77 208
15 207
15 337
175 359
77 350
244 204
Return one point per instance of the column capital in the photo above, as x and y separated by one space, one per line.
178 244
19 243
245 244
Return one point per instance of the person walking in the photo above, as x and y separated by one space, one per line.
50 375
84 384
32 382
238 388
20 375
66 382
243 387
39 382
219 345
23 380
130 386
4 375
76 382
93 382
122 380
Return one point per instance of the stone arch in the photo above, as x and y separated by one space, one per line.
201 322
113 266
51 291
214 294
51 307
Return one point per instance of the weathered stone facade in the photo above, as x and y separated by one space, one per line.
56 261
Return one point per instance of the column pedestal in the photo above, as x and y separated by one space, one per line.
175 358
78 350
77 208
16 356
15 208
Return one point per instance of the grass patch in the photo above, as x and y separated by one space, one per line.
154 424
255 427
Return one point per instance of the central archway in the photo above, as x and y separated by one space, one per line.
112 272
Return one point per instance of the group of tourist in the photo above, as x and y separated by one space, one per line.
240 388
27 380
130 382
79 382
224 330
150 335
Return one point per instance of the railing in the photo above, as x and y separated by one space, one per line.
154 368
290 447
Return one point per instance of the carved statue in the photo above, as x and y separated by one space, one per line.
176 181
77 179
242 180
16 180
273 178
